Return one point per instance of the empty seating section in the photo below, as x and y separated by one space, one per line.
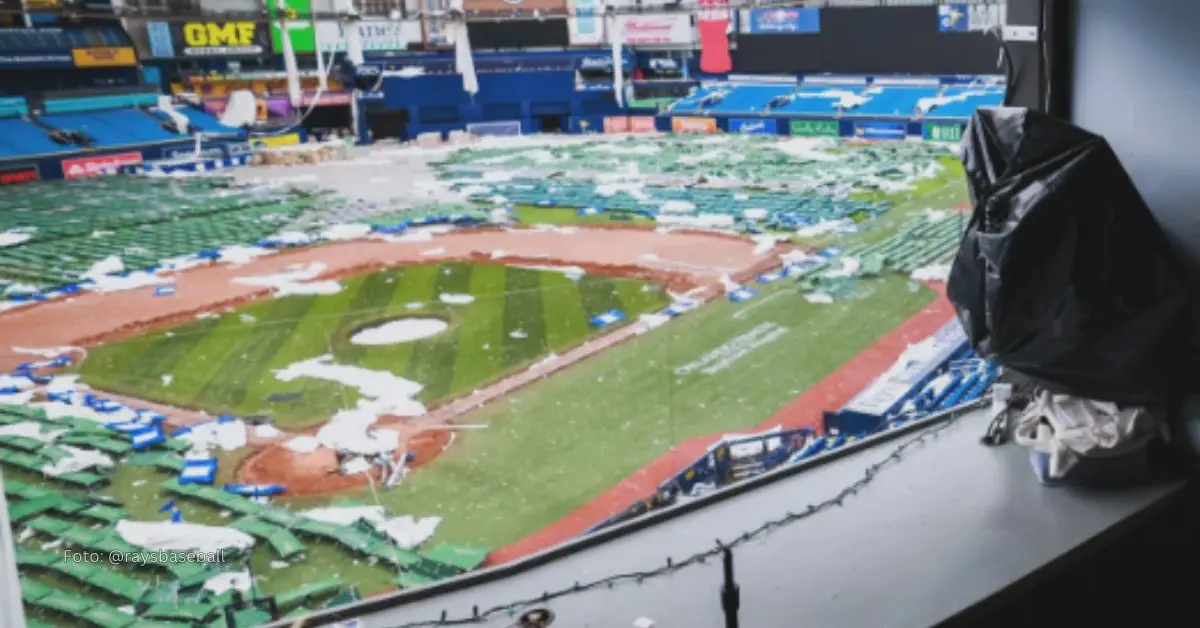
751 98
202 120
99 103
892 101
962 102
775 206
143 221
111 128
692 102
878 99
819 99
20 138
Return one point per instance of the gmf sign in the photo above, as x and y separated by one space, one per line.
220 39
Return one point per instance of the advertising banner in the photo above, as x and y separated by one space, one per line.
122 57
275 141
220 39
754 126
642 124
159 36
587 28
694 125
82 167
12 175
936 132
509 6
662 28
376 35
782 21
36 59
880 130
712 21
616 124
815 128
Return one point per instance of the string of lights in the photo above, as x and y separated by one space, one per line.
897 454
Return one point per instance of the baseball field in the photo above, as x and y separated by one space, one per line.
488 338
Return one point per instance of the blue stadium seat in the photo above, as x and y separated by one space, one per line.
20 137
751 98
202 120
893 101
117 127
966 101
819 99
691 102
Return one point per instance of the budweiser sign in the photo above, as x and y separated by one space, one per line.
92 166
656 29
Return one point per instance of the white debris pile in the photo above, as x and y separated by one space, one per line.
13 237
406 531
30 429
399 331
182 537
932 272
227 434
108 275
352 430
79 460
351 231
229 581
456 299
294 282
574 273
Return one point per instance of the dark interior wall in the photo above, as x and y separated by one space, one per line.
850 42
1134 82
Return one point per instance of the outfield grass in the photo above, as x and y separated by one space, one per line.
551 447
228 363
534 215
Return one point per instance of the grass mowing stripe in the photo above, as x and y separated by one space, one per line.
229 387
116 368
308 340
370 303
414 286
602 419
205 358
432 363
562 305
638 296
524 325
599 294
481 330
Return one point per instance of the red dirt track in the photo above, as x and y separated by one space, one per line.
93 318
803 411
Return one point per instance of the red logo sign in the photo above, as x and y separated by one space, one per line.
93 166
641 124
616 124
18 175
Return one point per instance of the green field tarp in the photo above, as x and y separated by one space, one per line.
186 612
299 595
30 508
464 557
107 616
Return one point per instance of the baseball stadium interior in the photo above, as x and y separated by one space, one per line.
598 313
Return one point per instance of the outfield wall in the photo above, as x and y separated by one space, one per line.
92 163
